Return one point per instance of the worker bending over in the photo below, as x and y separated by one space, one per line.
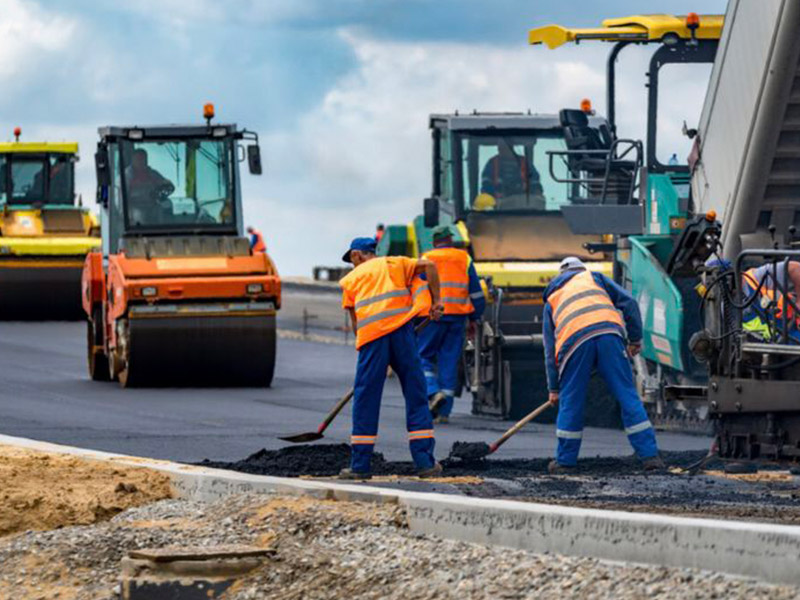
584 330
383 295
257 243
441 343
764 317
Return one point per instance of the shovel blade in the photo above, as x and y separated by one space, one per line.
301 438
470 450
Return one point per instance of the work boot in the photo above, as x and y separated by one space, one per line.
351 475
434 471
555 468
654 464
435 402
441 420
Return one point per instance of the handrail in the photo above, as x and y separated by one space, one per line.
611 156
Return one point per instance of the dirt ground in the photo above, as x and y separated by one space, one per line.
323 549
40 491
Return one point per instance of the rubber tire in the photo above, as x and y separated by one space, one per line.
738 468
269 367
97 362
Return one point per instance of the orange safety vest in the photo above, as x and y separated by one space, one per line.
773 296
453 267
384 298
578 304
259 246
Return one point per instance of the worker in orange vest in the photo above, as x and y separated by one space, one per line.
441 343
383 295
256 240
584 328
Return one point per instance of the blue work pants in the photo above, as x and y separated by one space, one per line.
397 349
608 355
440 346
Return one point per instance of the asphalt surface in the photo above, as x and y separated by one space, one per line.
46 395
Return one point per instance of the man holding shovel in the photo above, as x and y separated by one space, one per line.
584 325
383 295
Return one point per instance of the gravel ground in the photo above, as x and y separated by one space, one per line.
326 549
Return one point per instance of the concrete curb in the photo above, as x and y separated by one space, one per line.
759 550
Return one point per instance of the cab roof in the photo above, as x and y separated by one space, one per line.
38 147
636 28
477 121
166 131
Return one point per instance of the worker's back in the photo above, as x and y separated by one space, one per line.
378 291
453 267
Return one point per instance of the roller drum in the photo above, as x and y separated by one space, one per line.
40 293
200 350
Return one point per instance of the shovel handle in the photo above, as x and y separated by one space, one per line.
336 410
520 424
349 395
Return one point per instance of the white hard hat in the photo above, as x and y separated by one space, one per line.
571 263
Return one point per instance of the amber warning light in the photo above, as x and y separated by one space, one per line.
208 111
692 20
586 106
17 133
711 216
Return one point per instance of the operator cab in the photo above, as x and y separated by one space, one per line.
494 173
167 181
37 174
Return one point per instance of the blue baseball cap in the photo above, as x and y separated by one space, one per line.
362 244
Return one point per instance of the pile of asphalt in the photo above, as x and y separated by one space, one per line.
601 482
325 460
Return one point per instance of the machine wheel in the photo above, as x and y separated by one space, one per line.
97 361
270 353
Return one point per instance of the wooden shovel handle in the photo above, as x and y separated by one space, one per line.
336 410
521 423
349 395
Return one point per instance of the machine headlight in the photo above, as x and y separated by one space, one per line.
135 134
5 250
219 131
254 288
150 290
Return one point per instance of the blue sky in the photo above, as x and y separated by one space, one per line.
339 90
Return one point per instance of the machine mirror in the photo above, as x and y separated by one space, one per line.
254 159
101 167
431 212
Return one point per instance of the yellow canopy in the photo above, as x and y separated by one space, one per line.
39 147
637 28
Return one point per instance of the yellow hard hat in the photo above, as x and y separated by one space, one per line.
484 201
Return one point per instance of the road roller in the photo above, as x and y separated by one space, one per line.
44 233
176 296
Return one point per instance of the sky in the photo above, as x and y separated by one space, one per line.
339 91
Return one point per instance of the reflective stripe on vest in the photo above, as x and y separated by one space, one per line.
453 267
769 295
383 300
578 304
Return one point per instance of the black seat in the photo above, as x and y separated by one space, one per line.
581 138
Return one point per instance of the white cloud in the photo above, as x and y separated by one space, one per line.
363 155
28 32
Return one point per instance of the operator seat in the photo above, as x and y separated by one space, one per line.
589 156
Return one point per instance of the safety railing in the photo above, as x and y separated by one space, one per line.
612 179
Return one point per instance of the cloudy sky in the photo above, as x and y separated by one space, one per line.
339 90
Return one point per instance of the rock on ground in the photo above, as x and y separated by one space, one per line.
328 549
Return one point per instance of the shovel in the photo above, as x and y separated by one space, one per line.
477 450
313 436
